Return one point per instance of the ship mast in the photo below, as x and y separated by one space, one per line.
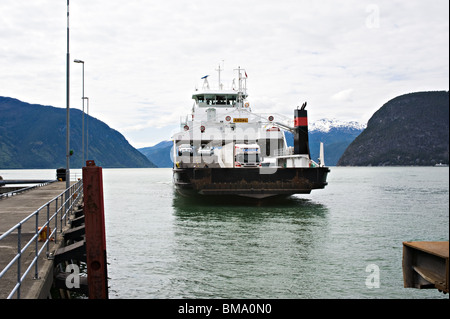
241 88
220 84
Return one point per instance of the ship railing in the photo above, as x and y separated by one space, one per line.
56 210
265 118
284 151
289 151
276 117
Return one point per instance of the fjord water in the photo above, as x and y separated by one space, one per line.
161 245
327 244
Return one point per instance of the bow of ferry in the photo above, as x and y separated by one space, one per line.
224 148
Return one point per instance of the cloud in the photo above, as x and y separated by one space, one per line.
345 95
154 52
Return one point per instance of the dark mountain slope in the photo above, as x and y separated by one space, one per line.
159 154
34 136
412 129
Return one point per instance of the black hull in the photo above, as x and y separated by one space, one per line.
249 182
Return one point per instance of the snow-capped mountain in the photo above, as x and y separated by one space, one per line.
325 125
335 135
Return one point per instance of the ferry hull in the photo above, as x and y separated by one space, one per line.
249 182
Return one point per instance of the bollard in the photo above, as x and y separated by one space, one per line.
95 231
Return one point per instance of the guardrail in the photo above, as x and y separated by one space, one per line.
62 205
21 190
284 151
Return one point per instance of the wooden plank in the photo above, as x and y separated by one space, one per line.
75 222
430 275
75 233
75 251
437 248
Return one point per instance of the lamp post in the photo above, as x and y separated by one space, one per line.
67 105
87 128
82 116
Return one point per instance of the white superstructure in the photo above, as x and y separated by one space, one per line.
223 117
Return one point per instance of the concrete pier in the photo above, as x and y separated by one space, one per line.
13 210
48 233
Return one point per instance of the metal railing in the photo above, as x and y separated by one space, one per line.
284 151
21 190
56 210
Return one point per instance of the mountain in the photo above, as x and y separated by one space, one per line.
159 154
336 136
34 136
326 125
411 129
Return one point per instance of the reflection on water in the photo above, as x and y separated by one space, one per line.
228 248
218 204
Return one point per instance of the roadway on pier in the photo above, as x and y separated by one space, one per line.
13 210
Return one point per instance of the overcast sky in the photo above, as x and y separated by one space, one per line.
144 58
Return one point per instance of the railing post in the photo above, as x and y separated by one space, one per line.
36 269
66 205
66 208
48 223
19 252
94 222
56 220
71 192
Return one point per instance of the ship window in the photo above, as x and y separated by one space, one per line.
221 99
247 158
231 100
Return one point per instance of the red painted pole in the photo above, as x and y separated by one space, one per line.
94 221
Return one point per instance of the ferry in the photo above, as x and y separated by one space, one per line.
224 148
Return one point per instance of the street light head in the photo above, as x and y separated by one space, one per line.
78 61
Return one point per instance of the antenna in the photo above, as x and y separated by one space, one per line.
220 84
239 78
